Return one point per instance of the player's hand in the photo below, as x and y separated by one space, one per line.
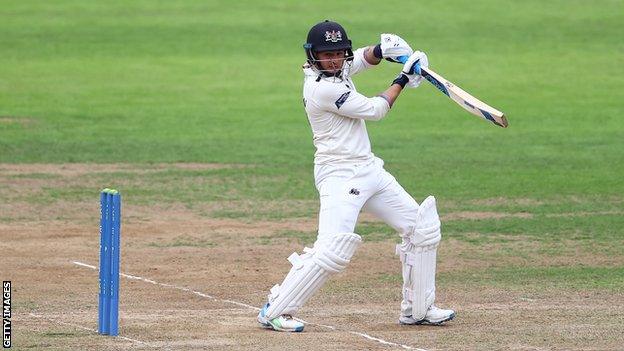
412 66
393 46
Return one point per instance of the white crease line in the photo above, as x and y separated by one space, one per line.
364 335
384 342
85 328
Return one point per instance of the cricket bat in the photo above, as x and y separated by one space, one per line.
462 98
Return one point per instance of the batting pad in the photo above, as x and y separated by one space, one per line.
418 257
310 271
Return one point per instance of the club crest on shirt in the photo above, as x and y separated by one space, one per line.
341 100
333 36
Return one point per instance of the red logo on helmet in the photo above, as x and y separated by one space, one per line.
333 36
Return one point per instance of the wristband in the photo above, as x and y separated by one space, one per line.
377 51
401 80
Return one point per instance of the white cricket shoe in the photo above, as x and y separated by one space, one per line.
434 316
284 322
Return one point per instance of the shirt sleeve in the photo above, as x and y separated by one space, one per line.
359 63
350 103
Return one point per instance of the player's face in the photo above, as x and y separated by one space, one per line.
331 61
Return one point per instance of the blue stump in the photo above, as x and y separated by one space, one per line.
110 232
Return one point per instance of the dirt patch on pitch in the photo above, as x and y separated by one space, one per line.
585 214
503 201
198 280
80 169
483 215
21 121
237 269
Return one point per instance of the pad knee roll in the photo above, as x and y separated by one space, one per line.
310 271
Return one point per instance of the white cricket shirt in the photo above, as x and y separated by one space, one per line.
336 112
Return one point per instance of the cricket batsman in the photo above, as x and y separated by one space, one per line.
349 179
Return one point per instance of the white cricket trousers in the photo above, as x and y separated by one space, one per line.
370 188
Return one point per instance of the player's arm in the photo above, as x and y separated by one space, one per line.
395 89
370 54
410 75
352 104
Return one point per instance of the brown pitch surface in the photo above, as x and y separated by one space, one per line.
55 300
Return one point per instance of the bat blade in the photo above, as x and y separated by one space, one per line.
465 100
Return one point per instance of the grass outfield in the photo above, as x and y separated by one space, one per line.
148 83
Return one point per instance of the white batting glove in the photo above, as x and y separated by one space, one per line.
412 66
393 46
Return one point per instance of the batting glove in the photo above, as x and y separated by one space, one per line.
392 46
412 66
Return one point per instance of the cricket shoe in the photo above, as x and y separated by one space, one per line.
434 316
284 322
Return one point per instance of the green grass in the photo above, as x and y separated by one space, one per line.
193 82
148 82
